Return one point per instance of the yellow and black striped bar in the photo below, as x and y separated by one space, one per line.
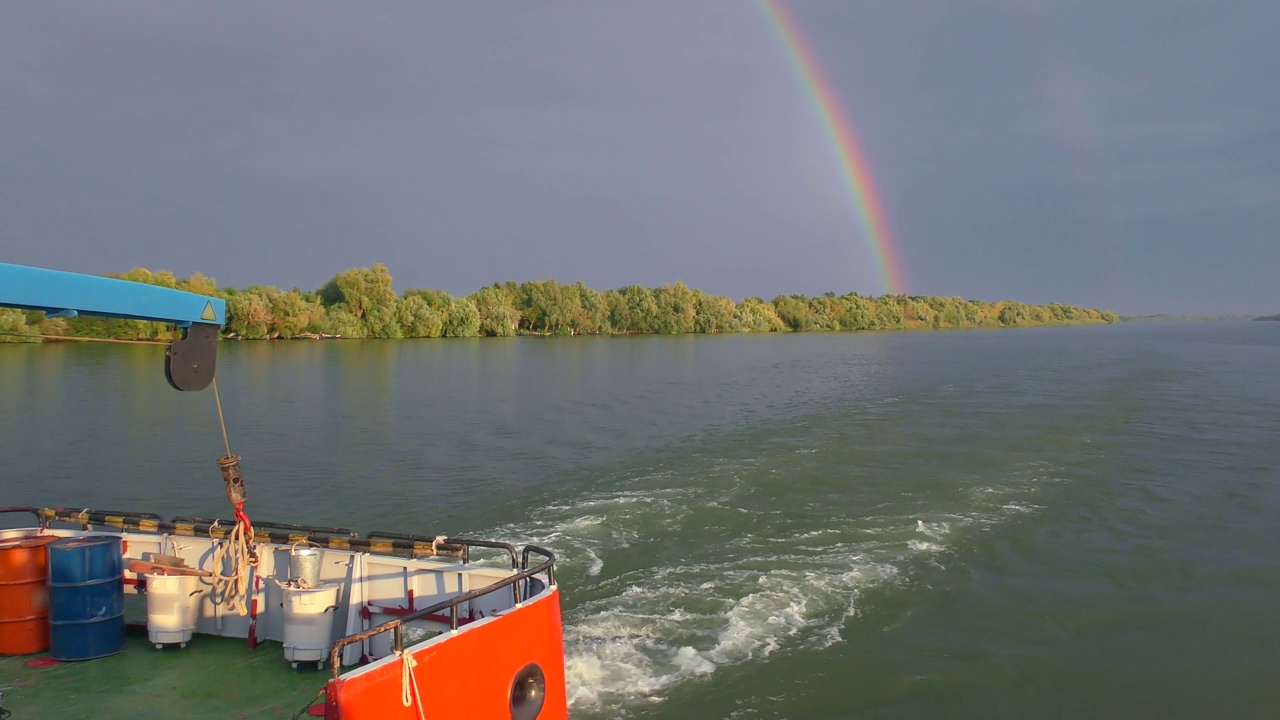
331 538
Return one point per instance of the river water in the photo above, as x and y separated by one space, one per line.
1054 522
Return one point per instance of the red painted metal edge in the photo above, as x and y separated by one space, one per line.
253 625
331 711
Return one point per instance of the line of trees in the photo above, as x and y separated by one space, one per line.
360 303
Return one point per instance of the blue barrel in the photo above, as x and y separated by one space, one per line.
86 597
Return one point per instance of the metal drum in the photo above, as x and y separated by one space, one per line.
86 597
24 599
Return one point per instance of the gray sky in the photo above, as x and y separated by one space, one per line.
1115 155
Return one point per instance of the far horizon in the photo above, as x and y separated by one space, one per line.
1197 318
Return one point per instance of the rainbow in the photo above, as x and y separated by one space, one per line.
839 131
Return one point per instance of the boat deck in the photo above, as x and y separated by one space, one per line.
213 677
371 599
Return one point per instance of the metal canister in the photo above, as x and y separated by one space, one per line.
24 595
304 564
86 597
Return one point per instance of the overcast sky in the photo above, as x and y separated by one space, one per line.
1115 155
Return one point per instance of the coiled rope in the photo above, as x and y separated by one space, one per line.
237 547
233 588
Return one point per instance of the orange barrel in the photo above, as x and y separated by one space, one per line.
24 595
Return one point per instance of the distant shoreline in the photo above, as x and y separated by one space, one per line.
1187 318
69 339
543 335
360 303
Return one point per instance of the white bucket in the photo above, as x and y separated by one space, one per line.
308 622
171 608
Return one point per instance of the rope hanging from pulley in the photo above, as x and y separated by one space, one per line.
238 545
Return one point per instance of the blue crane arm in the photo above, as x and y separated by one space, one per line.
189 362
55 292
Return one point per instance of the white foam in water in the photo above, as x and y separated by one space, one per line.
652 628
923 546
612 653
934 530
757 623
633 647
818 533
597 564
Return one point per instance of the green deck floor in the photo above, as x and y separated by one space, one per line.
212 677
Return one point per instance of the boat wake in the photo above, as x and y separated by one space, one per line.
674 576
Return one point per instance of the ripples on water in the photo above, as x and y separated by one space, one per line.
680 573
766 538
726 582
835 517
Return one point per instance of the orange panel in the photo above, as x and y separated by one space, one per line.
468 676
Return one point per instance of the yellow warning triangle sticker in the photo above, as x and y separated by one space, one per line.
208 313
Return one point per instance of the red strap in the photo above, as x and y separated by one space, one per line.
242 518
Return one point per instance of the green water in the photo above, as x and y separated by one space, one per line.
1060 522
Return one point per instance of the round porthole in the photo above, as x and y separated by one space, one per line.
528 693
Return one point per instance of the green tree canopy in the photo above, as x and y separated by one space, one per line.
361 303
